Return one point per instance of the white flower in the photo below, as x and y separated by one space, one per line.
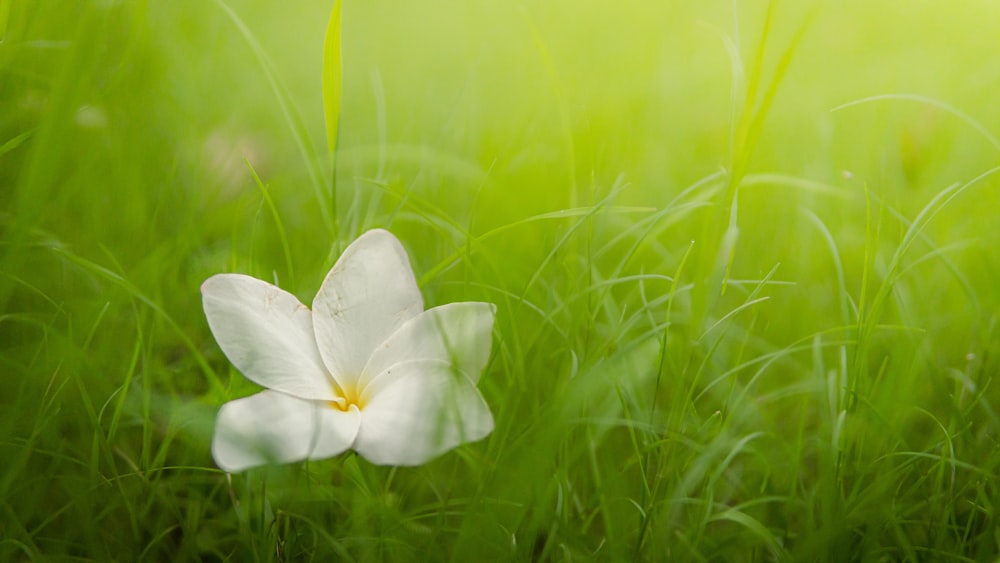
367 369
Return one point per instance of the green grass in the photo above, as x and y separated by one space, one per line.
745 267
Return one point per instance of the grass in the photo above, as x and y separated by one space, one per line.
744 258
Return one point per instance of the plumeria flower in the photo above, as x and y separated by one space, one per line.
367 369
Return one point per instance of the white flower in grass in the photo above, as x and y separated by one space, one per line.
367 369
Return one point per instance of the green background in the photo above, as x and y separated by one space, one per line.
744 256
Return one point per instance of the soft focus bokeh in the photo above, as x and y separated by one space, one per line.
744 256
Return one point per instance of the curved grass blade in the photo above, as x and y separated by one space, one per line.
948 108
327 207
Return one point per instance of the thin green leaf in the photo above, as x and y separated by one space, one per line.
333 76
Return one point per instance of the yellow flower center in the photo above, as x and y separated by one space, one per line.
346 396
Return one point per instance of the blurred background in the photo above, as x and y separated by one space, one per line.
484 102
127 127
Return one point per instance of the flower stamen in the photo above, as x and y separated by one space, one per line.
346 397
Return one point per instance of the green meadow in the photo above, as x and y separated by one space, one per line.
744 257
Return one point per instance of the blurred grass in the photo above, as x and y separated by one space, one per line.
835 402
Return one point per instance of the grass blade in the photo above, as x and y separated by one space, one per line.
333 73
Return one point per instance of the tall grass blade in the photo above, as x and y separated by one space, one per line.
333 76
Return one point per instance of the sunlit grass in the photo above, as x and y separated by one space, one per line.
744 262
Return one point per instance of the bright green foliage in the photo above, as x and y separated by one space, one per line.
744 257
333 76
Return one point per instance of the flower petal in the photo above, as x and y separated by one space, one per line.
337 431
272 427
460 334
367 295
422 410
267 334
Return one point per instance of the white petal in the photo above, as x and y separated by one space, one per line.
267 334
337 431
460 334
367 295
424 409
271 427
